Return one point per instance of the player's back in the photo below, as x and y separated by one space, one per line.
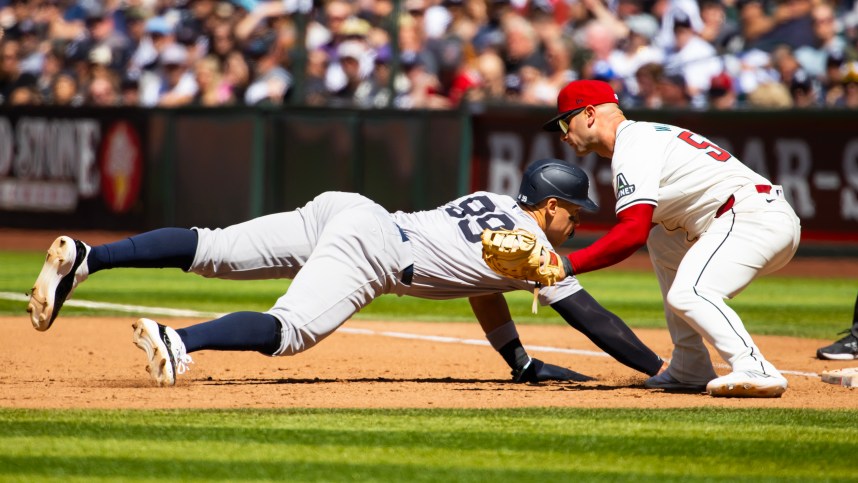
447 249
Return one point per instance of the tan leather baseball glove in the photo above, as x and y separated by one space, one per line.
519 254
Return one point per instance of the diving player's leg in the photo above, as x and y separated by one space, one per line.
69 262
359 256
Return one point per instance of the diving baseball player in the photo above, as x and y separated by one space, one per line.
342 250
711 225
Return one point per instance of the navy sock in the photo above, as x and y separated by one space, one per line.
239 331
162 248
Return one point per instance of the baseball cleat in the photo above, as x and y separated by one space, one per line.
845 349
668 383
65 267
164 349
747 384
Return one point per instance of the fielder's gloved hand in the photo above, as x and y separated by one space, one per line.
538 371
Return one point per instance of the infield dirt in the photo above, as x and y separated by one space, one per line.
91 363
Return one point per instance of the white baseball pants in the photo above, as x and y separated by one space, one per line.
759 235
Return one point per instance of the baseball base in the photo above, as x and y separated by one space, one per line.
844 377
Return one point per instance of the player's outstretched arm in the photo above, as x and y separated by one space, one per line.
493 314
608 332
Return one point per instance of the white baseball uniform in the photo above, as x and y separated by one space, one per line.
720 225
343 250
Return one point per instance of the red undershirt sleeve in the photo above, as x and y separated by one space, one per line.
623 239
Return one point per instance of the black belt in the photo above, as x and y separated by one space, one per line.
408 273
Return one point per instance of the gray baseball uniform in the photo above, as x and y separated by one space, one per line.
357 251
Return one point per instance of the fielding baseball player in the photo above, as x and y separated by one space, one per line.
342 250
711 225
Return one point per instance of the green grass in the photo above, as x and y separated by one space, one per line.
519 445
802 307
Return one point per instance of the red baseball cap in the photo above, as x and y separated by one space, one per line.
576 96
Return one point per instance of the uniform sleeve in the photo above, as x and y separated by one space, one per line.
636 166
623 239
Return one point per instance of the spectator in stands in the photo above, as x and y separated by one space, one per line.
770 95
31 55
492 77
11 76
25 96
793 26
158 35
634 51
521 45
558 57
785 64
754 22
722 95
212 91
53 63
236 74
718 28
694 58
803 90
65 91
648 79
102 92
349 54
270 82
129 90
849 82
673 91
832 80
173 84
827 41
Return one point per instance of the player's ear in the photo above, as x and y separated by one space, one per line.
551 205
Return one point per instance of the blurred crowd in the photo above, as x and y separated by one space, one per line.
707 54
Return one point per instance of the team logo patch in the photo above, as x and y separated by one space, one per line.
623 186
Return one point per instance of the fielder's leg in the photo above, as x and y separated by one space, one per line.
733 251
690 366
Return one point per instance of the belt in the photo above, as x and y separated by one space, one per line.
761 188
407 273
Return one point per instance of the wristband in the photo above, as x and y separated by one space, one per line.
567 266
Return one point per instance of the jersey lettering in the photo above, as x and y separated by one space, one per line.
478 209
717 153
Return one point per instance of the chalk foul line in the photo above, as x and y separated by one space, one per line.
170 312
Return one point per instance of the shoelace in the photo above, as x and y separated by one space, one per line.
848 333
182 361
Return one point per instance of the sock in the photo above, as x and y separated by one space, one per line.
514 354
162 248
238 331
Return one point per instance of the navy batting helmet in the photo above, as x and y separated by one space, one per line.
552 178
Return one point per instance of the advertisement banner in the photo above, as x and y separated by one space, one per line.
813 154
71 168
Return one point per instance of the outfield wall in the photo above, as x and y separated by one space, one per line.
132 169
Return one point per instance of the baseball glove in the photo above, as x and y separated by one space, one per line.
519 254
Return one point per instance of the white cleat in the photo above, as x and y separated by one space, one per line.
164 349
747 384
64 269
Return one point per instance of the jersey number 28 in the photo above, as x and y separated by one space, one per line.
480 210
